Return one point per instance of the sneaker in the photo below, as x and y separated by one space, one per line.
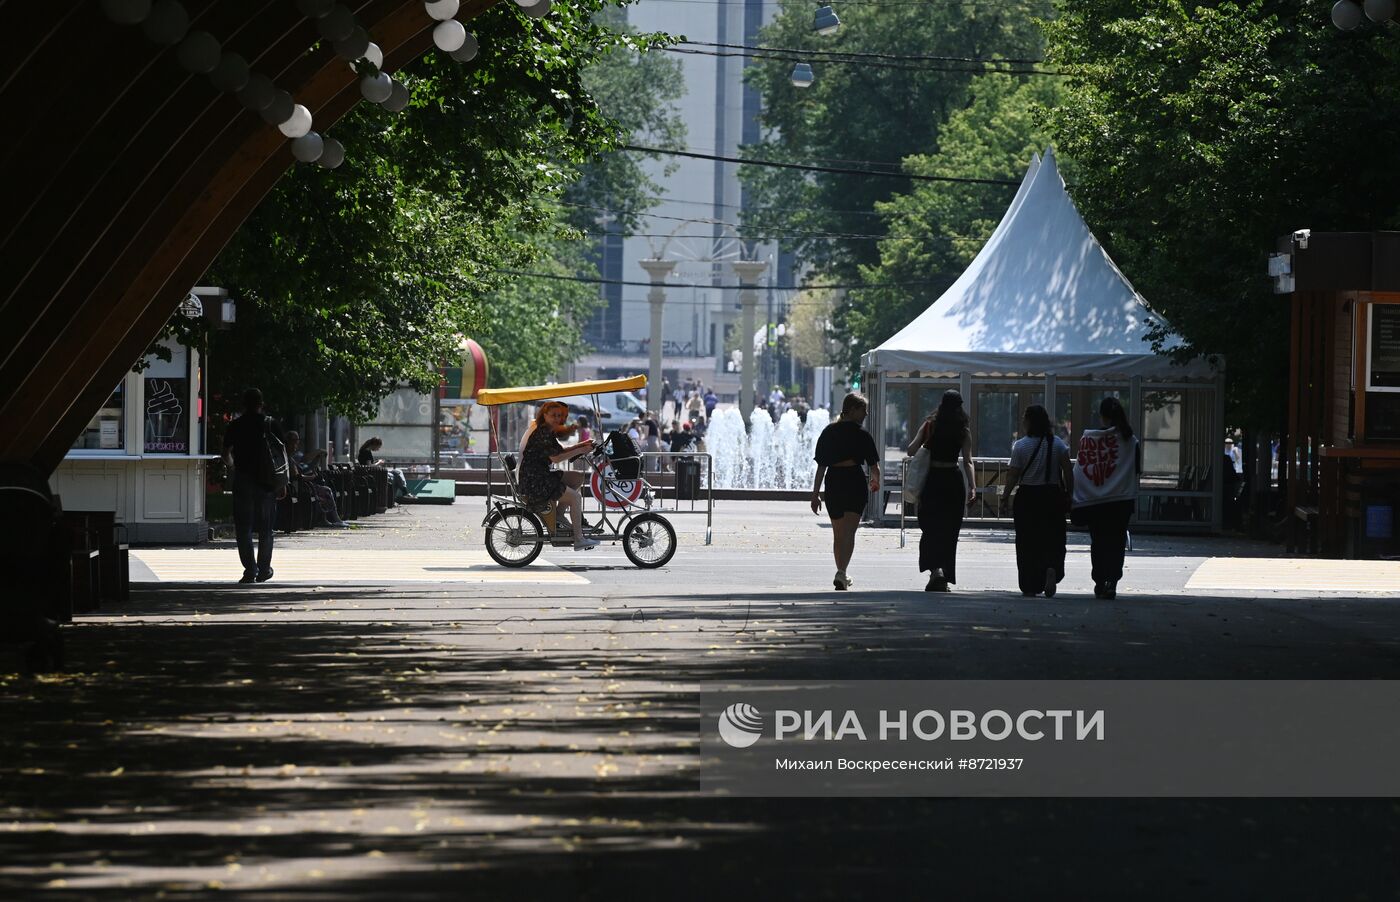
341 525
248 577
839 581
585 543
265 575
1100 590
1051 581
849 581
1110 590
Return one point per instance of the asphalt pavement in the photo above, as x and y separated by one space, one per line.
396 716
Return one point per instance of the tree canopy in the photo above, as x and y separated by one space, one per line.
866 111
351 281
936 228
1205 130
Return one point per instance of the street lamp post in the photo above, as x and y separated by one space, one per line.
657 271
749 272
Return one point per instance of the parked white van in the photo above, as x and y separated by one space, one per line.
617 409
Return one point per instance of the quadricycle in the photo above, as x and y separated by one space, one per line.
517 528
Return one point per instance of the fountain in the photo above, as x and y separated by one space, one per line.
765 456
727 441
763 468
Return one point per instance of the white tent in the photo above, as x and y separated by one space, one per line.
1041 297
1043 316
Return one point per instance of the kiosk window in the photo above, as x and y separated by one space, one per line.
104 432
1383 351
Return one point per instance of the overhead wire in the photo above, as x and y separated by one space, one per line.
805 167
638 283
868 64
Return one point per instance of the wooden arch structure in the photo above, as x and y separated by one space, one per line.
126 177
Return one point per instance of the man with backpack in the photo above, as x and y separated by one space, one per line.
253 447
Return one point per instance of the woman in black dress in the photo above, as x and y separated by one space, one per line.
947 492
538 483
842 449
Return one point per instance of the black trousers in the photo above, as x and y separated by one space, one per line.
254 513
1108 537
1040 535
941 507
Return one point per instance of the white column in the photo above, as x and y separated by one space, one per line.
749 272
657 271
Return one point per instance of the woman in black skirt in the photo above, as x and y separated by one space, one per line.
1039 467
1105 492
947 491
842 449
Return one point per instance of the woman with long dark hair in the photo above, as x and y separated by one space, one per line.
539 483
1105 492
947 491
1039 461
843 451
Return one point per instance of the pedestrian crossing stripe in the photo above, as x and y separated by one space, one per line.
1296 575
320 566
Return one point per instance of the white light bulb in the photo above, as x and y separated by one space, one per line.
1379 10
468 51
376 88
257 94
398 98
538 10
127 12
280 109
231 74
308 148
353 46
332 153
449 35
298 124
375 55
337 24
199 52
1346 15
167 22
315 9
442 10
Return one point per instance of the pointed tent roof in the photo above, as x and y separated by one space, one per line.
1041 296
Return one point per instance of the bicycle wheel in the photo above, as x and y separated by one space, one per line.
514 537
649 540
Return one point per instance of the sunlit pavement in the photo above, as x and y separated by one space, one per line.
532 733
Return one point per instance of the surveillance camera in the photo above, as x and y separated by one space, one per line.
1300 238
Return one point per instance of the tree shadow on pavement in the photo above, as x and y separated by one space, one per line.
408 744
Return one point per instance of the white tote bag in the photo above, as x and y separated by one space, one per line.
917 473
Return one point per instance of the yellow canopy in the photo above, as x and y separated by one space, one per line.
490 396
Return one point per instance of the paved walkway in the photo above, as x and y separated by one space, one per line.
393 729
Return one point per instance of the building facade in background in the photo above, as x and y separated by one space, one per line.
695 220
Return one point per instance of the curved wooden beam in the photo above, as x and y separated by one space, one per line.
159 172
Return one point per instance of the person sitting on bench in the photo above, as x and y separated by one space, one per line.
306 472
366 458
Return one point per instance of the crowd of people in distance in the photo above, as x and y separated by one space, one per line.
1097 486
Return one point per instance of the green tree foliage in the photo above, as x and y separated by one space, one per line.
354 280
1203 132
866 112
938 227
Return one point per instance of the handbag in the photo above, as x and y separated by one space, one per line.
917 473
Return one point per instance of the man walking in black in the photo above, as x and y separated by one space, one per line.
254 504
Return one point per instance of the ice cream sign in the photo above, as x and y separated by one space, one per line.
167 430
